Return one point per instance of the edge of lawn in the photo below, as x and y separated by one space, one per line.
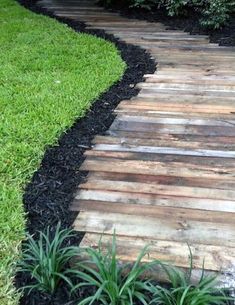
22 144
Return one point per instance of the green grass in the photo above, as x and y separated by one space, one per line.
49 76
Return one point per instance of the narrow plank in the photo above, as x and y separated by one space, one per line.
173 113
157 168
166 150
176 108
168 190
185 91
185 86
209 81
157 212
173 142
165 180
178 121
204 140
203 130
156 200
195 160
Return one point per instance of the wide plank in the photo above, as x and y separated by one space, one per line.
165 229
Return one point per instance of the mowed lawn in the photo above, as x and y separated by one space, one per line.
49 76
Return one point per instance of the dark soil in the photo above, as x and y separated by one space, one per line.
189 22
48 196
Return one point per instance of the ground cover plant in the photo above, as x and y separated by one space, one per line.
115 283
49 76
46 260
108 281
182 290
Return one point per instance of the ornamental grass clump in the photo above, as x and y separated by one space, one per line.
183 292
46 260
115 283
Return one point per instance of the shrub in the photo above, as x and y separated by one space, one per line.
115 283
214 13
46 260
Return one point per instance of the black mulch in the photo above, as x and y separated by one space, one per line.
189 23
48 196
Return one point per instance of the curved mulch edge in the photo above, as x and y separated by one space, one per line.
49 194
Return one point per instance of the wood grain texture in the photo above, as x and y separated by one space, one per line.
164 172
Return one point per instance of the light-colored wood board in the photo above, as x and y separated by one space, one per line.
167 158
177 169
159 189
156 200
157 212
146 140
165 229
166 151
176 253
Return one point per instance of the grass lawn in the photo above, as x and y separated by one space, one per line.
49 76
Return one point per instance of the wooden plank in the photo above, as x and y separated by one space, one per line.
175 109
167 150
204 140
161 179
192 86
178 121
179 230
161 189
165 36
175 142
157 212
206 81
184 100
184 91
148 156
176 253
156 200
203 130
159 113
140 167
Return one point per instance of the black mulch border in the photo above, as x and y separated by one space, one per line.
51 191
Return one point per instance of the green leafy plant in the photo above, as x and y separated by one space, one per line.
115 283
46 260
216 13
183 292
212 13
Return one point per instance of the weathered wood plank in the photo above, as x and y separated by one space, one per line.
179 230
204 130
157 168
156 200
166 150
158 212
175 142
161 189
176 253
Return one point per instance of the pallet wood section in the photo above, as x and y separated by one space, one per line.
164 173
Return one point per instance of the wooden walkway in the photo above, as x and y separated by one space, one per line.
164 173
